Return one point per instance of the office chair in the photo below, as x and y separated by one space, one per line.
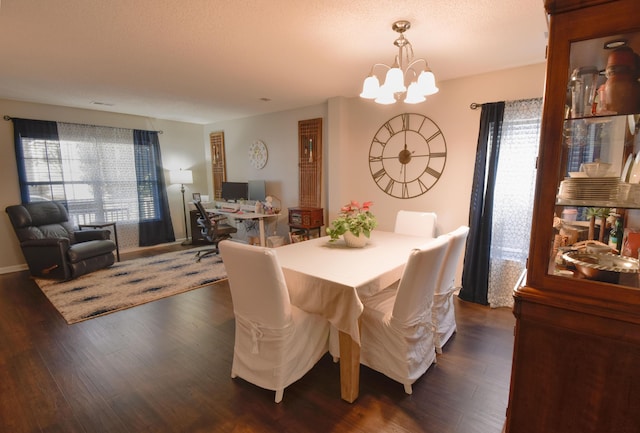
213 229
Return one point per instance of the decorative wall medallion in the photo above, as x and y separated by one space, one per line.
258 154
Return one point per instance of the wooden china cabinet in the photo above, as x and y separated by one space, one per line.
576 361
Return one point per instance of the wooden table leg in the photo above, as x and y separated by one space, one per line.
349 368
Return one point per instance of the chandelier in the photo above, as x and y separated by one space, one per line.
417 73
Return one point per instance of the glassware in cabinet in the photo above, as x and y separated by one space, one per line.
600 167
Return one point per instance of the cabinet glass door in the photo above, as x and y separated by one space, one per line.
596 224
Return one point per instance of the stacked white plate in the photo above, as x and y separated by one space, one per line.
589 188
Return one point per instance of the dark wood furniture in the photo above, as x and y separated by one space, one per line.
577 341
305 219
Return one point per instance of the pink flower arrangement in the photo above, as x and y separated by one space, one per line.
354 218
354 206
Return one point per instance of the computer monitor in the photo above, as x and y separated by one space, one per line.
257 190
232 191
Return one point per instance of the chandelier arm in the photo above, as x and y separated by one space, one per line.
410 70
416 61
378 64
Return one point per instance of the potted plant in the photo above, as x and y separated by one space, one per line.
353 222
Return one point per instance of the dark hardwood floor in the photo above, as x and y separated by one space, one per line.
165 367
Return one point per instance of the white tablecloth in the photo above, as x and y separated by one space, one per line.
328 278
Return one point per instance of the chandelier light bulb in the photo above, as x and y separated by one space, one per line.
395 78
414 94
385 96
427 83
370 87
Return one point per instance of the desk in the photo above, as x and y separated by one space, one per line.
101 226
329 279
247 216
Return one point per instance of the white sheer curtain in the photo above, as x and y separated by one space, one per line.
514 195
98 165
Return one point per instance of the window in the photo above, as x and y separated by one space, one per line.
100 173
514 194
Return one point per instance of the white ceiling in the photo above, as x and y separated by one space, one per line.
205 61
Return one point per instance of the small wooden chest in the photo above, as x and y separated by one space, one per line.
306 217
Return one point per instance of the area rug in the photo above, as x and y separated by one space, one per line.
130 283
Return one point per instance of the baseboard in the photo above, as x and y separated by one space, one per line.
12 269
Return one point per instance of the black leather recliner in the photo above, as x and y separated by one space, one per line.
51 246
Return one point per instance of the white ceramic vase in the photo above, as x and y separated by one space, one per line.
354 241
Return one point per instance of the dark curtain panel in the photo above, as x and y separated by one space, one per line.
155 219
475 274
36 129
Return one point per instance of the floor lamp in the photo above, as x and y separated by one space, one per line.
183 177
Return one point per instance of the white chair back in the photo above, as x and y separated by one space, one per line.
458 239
418 282
258 287
416 223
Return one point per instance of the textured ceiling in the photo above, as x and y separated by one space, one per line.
204 61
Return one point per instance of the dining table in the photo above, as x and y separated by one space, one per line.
330 278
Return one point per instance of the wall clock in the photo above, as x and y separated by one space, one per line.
407 155
258 154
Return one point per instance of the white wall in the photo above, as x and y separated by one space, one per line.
351 123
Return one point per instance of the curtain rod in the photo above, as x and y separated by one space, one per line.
5 117
475 105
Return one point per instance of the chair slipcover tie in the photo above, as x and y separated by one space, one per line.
261 333
420 319
446 296
413 333
413 330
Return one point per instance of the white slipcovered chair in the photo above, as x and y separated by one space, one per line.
276 343
443 314
416 223
396 329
